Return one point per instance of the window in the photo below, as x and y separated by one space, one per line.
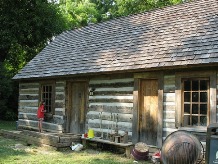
47 95
195 98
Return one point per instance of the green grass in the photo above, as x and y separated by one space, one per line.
13 151
8 125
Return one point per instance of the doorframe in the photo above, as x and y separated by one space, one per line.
136 100
68 100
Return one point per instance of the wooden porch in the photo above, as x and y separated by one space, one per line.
56 140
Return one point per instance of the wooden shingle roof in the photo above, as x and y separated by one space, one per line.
180 35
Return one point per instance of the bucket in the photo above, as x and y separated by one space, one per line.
91 133
140 151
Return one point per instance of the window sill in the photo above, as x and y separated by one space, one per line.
194 129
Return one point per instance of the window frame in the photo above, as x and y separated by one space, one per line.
52 84
211 75
191 102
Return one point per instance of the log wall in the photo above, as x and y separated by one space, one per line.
28 104
59 114
113 102
217 97
169 105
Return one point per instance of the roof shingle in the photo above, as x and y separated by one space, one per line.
173 36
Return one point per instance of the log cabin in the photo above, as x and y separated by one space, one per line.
147 74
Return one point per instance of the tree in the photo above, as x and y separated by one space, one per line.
26 26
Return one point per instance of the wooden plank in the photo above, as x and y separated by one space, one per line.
135 123
25 109
169 79
28 103
213 99
148 112
28 97
178 101
122 117
160 111
127 146
28 85
111 109
108 142
111 100
27 116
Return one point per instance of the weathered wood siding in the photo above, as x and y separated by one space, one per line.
169 105
28 104
217 97
60 96
111 97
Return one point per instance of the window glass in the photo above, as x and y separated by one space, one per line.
46 93
187 109
187 85
195 102
194 108
203 85
203 96
195 85
203 120
194 96
203 109
187 97
194 120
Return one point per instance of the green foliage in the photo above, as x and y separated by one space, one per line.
79 12
8 95
25 28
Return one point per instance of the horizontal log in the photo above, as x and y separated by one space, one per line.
111 109
169 79
112 85
27 116
168 124
29 91
59 104
60 84
60 89
169 107
60 120
28 97
97 132
25 109
105 81
111 100
115 93
107 116
25 103
60 111
169 88
111 104
170 97
59 97
169 114
45 125
114 89
124 126
28 85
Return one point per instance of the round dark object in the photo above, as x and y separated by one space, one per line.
181 147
